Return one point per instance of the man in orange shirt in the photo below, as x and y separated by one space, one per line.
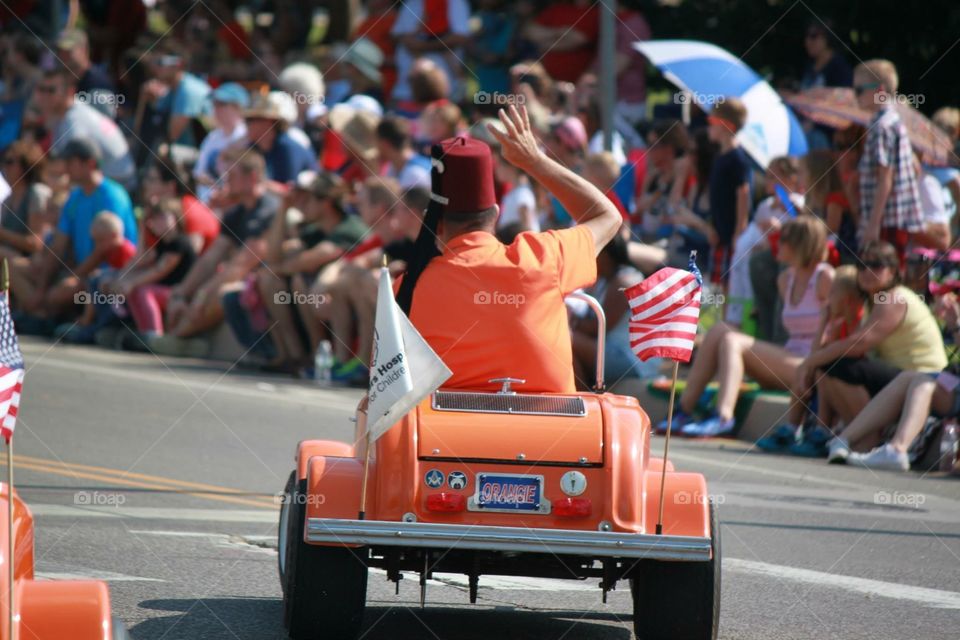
491 310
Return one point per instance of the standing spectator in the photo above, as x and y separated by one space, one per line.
436 30
889 191
23 224
825 66
195 304
828 200
729 184
404 164
178 96
45 291
267 132
68 120
490 45
94 87
229 102
566 34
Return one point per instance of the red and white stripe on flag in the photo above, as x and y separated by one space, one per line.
11 382
664 310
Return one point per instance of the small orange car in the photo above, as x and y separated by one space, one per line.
48 609
507 483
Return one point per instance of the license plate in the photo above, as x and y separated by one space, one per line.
509 493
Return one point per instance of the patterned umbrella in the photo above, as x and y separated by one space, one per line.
837 107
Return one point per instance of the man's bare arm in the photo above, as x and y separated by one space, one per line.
587 204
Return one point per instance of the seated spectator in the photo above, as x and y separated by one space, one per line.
729 355
194 305
326 233
94 86
229 101
166 178
267 132
395 149
899 333
665 181
356 129
303 82
440 120
614 274
23 224
68 119
146 286
770 214
913 396
21 67
46 291
177 96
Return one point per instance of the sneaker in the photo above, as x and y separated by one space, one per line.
352 373
813 443
680 419
838 450
712 427
883 457
779 439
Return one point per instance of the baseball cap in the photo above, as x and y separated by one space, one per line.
231 93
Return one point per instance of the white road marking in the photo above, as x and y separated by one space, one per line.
156 513
259 544
934 598
47 571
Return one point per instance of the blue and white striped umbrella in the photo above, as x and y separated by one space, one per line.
709 73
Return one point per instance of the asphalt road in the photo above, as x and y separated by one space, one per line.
159 477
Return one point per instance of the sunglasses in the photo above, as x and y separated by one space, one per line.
863 88
873 265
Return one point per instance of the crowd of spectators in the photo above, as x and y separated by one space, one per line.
182 169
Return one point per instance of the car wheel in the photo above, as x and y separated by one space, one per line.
326 587
678 600
283 528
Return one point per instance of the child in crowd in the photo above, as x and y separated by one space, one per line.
146 285
827 199
602 171
784 200
729 183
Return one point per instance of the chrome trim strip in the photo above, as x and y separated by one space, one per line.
516 539
436 406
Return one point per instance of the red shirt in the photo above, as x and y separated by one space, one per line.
198 219
615 199
568 66
119 256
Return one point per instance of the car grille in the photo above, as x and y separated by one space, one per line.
508 403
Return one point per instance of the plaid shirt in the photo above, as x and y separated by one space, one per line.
887 145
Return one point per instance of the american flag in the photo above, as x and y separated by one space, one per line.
11 371
664 310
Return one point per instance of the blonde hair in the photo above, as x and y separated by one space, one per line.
883 71
106 223
807 236
948 119
732 110
603 165
845 281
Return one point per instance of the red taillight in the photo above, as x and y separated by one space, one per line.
572 507
448 502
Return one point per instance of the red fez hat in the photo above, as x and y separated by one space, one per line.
464 171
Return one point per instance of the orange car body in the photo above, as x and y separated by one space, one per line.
49 609
609 445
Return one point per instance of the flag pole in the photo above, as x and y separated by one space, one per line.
666 445
10 555
366 458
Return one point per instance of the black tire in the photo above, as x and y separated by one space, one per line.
284 528
326 587
678 600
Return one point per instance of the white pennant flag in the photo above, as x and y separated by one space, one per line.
403 370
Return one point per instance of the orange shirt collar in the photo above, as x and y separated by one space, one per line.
470 241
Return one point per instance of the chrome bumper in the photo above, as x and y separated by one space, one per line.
516 539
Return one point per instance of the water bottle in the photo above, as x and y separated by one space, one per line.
323 363
948 445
